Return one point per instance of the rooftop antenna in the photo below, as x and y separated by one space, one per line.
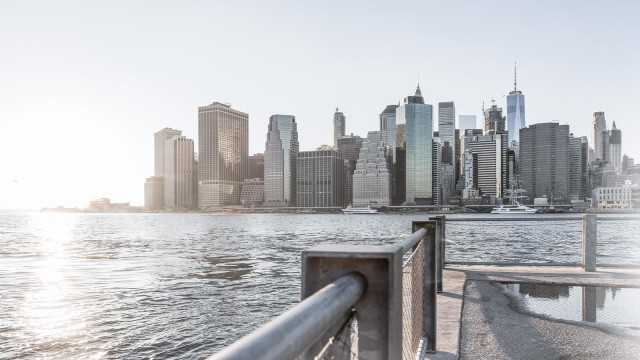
515 75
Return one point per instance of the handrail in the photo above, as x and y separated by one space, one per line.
411 240
291 333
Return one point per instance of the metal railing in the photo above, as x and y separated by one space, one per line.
358 301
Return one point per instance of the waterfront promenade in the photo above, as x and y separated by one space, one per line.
478 321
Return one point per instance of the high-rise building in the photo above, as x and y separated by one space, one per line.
470 175
492 165
466 122
256 166
544 161
598 129
320 178
578 168
339 126
447 132
400 176
159 140
494 122
372 176
349 147
401 137
615 148
252 192
418 118
388 127
281 152
436 165
223 151
154 193
515 112
178 173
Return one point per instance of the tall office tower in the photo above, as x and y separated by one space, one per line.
388 127
456 160
372 177
159 140
446 128
154 193
256 166
465 137
349 147
512 168
418 118
578 168
625 163
339 126
281 152
544 161
492 166
178 173
494 122
223 151
598 128
615 148
470 175
400 178
320 179
515 111
436 165
466 122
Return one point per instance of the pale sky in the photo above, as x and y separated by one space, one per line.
85 84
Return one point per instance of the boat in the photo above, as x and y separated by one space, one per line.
353 210
516 207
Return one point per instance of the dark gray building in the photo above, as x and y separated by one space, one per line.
320 178
349 147
578 152
256 166
544 161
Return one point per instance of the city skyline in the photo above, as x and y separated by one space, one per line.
69 75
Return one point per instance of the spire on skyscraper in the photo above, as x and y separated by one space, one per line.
515 76
418 92
614 126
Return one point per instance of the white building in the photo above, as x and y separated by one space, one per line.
372 178
388 127
623 197
178 173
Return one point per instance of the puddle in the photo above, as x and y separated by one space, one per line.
617 306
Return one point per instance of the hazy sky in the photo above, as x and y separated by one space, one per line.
85 84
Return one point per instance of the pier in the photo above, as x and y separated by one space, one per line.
406 301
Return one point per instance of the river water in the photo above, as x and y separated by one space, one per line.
130 286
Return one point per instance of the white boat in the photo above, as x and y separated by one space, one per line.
513 209
516 207
352 210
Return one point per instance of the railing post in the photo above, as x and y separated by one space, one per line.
379 311
589 241
439 250
429 300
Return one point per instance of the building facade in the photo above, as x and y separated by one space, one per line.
544 161
491 164
447 132
598 129
339 126
154 193
159 140
372 176
223 153
615 148
280 156
349 148
494 122
320 178
388 127
178 173
252 192
466 122
515 112
256 166
418 119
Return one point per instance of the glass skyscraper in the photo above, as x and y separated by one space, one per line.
515 112
418 118
281 152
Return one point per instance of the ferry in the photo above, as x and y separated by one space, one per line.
352 210
513 209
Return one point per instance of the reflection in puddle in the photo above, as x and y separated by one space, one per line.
607 305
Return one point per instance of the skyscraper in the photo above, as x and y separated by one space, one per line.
223 149
388 127
494 122
256 166
372 177
281 152
598 128
544 161
578 168
418 118
159 140
349 147
339 126
515 112
446 130
492 166
320 178
615 148
178 173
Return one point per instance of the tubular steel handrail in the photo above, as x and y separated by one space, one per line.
291 333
